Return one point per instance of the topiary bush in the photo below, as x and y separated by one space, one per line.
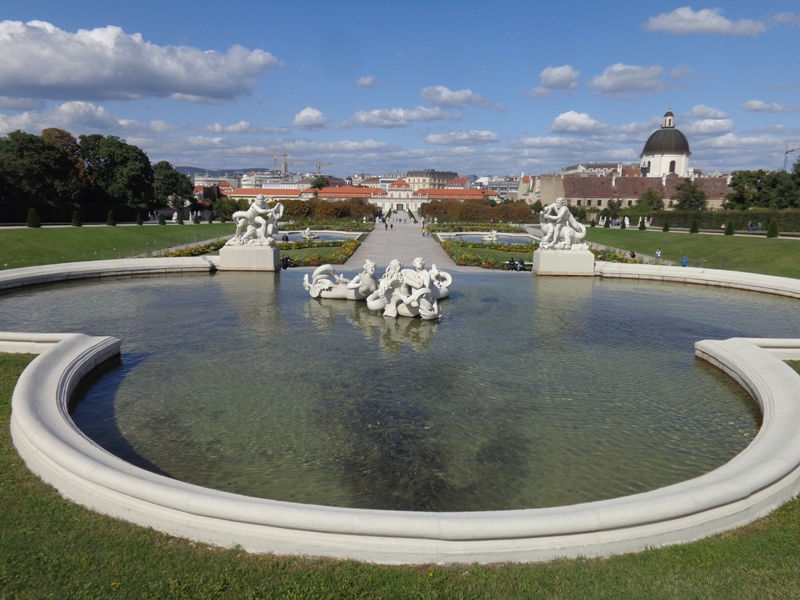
33 218
111 221
729 228
76 219
695 228
666 226
772 230
139 218
161 219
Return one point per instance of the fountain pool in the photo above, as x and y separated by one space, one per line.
529 393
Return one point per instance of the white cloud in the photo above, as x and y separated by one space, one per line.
463 138
761 106
398 117
685 21
439 95
621 79
707 127
310 118
70 116
577 123
787 18
38 60
706 112
555 78
240 127
368 81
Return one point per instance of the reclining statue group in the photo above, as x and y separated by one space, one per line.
398 293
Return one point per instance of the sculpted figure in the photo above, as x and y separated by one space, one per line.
308 235
490 237
561 230
257 225
399 292
325 282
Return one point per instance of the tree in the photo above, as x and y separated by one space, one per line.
169 186
690 197
653 199
729 228
76 219
319 183
36 172
111 221
119 173
766 189
694 227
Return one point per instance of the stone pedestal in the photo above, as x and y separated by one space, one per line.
249 258
563 262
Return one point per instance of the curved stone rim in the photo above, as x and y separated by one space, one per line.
752 484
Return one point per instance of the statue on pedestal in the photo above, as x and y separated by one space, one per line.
257 225
561 230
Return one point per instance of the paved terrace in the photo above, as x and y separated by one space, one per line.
404 242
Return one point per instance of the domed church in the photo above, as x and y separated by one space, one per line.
666 151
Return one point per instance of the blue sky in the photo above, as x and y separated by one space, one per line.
480 88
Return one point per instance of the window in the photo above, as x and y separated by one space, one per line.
588 203
578 202
672 166
599 203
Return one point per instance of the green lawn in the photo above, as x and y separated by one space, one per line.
754 254
51 548
29 247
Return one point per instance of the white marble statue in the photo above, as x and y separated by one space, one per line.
325 282
399 292
490 237
308 234
561 231
410 292
257 225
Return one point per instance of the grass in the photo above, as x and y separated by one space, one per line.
28 247
754 254
51 548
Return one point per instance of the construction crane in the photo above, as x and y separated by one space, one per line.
284 162
787 153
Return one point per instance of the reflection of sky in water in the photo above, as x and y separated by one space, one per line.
530 392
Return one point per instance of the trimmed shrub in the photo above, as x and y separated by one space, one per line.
76 219
161 219
33 218
695 228
642 226
139 218
666 226
111 221
729 228
772 230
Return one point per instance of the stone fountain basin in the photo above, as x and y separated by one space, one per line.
755 482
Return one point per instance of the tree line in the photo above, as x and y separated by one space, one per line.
57 175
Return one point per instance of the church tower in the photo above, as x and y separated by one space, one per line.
666 151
